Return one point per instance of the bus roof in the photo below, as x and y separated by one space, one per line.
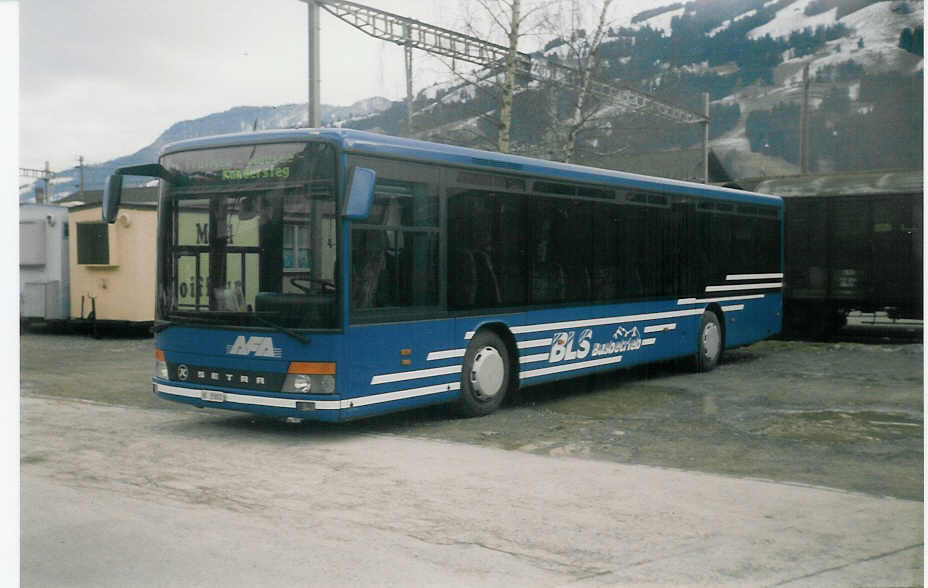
376 144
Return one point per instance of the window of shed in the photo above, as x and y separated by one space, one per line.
93 245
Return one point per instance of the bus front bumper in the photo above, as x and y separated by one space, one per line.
328 410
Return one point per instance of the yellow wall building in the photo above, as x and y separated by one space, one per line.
113 265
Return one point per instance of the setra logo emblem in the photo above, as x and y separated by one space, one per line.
260 346
182 372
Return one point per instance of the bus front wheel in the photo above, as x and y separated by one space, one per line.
485 375
710 342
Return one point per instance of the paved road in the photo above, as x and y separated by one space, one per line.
117 496
841 415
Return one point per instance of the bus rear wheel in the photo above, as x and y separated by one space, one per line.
710 342
485 375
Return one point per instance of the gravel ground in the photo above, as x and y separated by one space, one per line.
836 414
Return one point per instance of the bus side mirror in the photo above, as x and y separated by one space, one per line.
360 193
112 194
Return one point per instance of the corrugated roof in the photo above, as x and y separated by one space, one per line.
138 195
843 184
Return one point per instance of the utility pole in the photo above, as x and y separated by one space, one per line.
407 53
80 166
705 138
804 124
46 197
314 116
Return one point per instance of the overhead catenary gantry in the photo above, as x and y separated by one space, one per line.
46 175
414 34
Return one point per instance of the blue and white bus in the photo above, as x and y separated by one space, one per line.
334 274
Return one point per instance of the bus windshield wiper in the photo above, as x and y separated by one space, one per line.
281 329
208 321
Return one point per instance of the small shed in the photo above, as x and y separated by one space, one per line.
113 265
43 263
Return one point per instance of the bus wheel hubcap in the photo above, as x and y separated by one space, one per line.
486 374
711 339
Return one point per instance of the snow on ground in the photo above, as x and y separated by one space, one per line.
727 23
878 24
621 13
879 28
661 22
793 18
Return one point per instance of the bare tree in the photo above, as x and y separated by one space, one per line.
582 54
509 20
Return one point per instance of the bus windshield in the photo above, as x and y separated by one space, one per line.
248 237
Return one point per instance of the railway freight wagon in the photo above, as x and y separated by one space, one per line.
43 263
852 242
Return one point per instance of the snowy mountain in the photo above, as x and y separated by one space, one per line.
234 120
865 61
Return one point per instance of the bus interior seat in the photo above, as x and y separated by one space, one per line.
604 283
548 282
464 275
487 284
578 282
365 279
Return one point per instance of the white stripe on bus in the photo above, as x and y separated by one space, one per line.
415 375
612 320
448 354
533 343
731 277
400 394
534 358
733 307
567 367
660 328
649 341
744 287
453 353
318 404
683 301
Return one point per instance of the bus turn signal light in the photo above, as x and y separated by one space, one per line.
161 366
315 368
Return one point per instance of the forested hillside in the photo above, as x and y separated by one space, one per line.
865 59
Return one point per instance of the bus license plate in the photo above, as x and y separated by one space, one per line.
212 396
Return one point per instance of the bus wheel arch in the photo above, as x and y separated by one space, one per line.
711 338
490 371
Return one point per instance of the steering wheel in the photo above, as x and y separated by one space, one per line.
326 285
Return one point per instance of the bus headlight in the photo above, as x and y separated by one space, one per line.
309 378
326 385
302 383
161 366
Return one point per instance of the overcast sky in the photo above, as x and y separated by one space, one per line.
103 78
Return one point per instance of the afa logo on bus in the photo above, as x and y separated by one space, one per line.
260 346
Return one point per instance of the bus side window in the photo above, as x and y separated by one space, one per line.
395 259
549 280
368 254
486 249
